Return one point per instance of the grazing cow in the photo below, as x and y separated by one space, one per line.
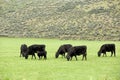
23 50
41 54
34 49
107 48
62 50
77 50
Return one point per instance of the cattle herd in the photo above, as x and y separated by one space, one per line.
64 49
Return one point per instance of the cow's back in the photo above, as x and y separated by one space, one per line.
80 49
35 48
67 47
64 48
108 47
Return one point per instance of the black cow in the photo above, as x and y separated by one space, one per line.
107 48
62 50
23 50
77 50
34 49
41 54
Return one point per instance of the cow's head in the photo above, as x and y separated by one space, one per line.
56 55
68 57
23 54
99 53
26 54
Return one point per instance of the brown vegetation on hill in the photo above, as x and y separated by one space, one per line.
64 19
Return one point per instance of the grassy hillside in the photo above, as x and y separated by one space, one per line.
64 19
12 67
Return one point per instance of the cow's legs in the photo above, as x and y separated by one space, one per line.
104 54
64 55
114 54
76 57
70 58
111 53
34 56
39 57
45 57
85 56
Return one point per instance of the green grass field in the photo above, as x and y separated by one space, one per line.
12 67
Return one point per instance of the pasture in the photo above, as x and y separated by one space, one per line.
12 67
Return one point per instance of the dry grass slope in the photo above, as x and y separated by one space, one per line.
64 19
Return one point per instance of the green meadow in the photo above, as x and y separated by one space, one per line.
13 67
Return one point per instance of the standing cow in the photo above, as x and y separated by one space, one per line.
23 50
34 49
40 54
62 50
77 50
107 48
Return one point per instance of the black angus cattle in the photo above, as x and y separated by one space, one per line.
23 50
77 50
62 50
41 54
34 49
107 48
